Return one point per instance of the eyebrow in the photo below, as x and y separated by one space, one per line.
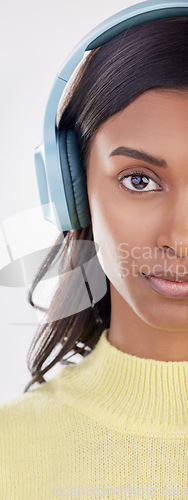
138 155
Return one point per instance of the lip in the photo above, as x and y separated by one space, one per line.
166 287
171 277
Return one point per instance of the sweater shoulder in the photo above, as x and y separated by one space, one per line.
42 397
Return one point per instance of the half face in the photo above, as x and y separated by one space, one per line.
137 183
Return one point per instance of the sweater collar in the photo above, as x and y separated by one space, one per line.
120 389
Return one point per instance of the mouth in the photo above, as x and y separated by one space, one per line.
167 287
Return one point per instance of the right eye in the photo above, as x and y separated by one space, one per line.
140 180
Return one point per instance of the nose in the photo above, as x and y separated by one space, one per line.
174 233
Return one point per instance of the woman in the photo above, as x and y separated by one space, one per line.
116 423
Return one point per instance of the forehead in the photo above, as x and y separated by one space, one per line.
152 114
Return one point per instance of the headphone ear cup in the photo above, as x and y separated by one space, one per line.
74 179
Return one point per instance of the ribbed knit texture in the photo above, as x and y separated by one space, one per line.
112 426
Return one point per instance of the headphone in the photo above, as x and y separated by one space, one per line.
59 171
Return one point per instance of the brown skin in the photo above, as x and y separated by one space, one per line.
143 322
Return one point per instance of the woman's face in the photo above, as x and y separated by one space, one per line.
141 223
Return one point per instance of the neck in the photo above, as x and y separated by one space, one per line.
131 334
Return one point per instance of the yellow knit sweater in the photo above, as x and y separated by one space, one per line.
112 426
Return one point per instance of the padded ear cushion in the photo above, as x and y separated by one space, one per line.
74 179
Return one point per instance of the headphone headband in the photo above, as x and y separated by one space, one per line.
51 183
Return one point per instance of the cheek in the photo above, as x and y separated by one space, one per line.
121 227
112 229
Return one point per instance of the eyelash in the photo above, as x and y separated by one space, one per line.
136 172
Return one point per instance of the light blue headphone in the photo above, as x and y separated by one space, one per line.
59 171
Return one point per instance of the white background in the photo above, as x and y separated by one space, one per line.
36 37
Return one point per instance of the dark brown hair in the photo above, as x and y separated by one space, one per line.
150 55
